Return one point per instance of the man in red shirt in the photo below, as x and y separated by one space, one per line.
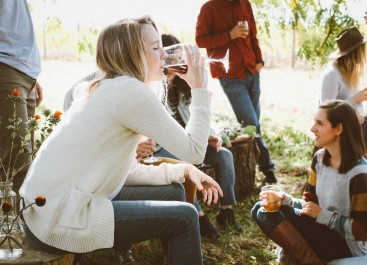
219 28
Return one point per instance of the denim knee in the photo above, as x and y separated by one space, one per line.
267 221
189 213
176 192
254 211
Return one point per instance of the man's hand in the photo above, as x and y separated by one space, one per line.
239 31
145 149
258 67
215 142
39 94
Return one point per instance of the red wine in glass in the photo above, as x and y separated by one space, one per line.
179 68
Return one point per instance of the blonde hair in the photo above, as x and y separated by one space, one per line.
351 66
120 49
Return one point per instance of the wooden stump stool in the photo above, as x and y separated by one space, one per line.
245 156
32 256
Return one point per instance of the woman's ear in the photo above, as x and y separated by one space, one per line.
339 129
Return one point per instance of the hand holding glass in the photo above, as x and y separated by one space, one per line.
244 23
176 59
270 198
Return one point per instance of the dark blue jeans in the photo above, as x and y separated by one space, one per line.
244 96
142 214
327 244
224 172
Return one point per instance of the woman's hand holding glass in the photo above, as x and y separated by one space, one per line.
188 64
271 197
205 184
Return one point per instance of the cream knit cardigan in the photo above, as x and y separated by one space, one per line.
91 153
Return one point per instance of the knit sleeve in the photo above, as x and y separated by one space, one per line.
139 110
309 193
353 227
329 85
358 194
163 174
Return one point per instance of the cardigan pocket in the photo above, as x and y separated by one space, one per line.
75 214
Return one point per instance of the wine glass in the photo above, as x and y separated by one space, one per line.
176 59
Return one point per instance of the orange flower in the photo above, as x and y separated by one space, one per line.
15 92
6 207
57 114
40 200
37 116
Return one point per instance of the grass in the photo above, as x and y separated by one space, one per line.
289 98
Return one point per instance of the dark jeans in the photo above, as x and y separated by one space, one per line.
244 96
10 79
328 244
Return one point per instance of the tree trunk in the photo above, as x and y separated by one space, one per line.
245 156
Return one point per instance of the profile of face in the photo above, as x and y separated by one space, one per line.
325 134
154 53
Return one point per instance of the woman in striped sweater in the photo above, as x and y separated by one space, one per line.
330 221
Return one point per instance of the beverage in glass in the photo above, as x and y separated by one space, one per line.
176 58
271 201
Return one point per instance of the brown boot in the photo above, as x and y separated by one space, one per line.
294 244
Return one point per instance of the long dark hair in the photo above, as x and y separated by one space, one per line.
352 147
177 82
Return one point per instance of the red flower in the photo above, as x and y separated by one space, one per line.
37 116
15 92
6 207
57 114
40 200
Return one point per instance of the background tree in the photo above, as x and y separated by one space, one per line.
315 23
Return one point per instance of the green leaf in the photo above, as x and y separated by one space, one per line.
226 140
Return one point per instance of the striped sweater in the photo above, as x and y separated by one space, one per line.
343 201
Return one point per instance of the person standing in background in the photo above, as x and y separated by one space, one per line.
230 24
343 77
19 68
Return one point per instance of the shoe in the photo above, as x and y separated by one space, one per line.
270 177
207 229
126 256
226 217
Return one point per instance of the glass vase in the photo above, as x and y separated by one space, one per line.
10 231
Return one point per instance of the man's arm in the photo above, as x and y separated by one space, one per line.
205 37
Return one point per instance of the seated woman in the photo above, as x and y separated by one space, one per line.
343 77
90 156
179 100
330 222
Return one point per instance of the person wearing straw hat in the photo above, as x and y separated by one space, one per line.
343 77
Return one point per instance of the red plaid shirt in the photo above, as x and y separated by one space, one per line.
215 21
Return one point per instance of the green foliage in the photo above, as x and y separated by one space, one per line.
86 41
292 150
316 23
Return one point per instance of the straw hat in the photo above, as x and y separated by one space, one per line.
347 41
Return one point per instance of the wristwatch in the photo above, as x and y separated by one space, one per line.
261 62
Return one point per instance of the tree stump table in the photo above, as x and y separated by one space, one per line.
32 256
245 156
